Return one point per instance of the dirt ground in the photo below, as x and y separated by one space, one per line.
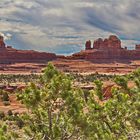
87 67
79 66
22 68
15 106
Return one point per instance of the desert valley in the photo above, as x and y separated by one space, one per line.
69 70
98 72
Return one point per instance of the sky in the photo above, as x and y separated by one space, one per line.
63 26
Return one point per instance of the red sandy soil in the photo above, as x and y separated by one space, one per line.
15 105
21 68
87 67
79 66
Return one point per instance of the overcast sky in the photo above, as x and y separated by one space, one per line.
63 26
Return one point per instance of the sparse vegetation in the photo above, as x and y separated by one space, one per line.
10 78
57 110
6 103
5 96
2 115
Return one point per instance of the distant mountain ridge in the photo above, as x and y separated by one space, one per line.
102 50
107 49
11 55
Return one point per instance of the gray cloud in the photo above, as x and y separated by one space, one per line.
62 26
119 17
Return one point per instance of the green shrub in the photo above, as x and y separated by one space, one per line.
2 114
19 122
16 113
10 113
74 118
58 111
5 96
6 103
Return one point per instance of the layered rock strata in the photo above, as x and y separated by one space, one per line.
107 49
11 55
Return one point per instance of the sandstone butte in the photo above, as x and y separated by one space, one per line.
107 49
11 55
102 50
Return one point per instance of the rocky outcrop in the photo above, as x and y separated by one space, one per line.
88 45
98 44
2 44
107 49
138 47
11 55
113 42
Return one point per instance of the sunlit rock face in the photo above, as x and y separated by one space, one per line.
98 44
113 42
107 49
11 55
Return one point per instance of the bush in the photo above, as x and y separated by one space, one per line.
10 113
19 122
5 96
58 110
2 114
16 114
6 103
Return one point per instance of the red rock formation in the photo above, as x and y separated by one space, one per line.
88 45
98 44
2 44
107 91
107 49
110 43
11 55
137 47
114 42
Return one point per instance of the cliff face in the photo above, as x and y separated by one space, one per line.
102 49
111 43
107 49
2 44
11 55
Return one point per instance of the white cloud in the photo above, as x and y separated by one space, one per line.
6 36
52 24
